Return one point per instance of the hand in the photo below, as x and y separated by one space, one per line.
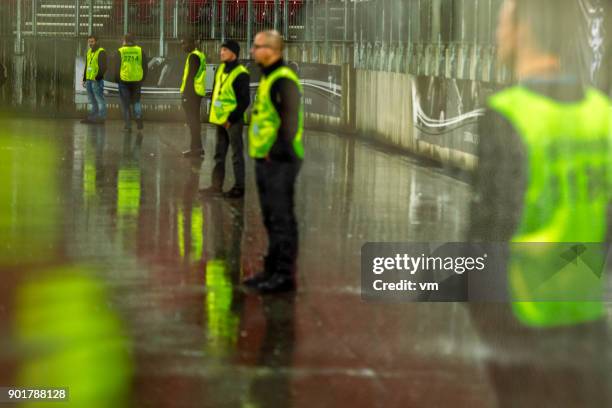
227 125
84 82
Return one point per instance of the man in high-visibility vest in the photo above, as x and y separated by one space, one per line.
275 142
193 88
93 80
544 175
130 72
230 99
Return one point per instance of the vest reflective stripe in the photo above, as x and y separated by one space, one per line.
199 82
265 120
568 160
224 98
93 68
131 64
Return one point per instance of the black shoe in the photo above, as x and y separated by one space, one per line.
234 193
139 124
211 191
276 283
193 153
87 121
255 280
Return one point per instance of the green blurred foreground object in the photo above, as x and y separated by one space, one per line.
71 339
66 334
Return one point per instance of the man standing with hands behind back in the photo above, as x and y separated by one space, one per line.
230 100
275 142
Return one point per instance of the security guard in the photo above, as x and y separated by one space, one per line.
543 176
275 142
131 71
93 81
193 88
230 99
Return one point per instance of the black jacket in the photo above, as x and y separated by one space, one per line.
286 98
242 90
102 65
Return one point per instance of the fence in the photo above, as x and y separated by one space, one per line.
390 21
170 19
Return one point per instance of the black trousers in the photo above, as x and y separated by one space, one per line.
225 138
191 106
276 187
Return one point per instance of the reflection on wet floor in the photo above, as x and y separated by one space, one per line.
127 209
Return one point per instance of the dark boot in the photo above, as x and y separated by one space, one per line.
276 283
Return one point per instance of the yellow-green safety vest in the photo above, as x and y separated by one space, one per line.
131 64
224 98
569 161
93 68
199 81
265 120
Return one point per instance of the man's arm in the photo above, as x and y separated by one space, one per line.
117 67
243 96
85 71
145 66
102 64
286 99
499 182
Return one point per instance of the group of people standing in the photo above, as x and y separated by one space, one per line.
129 73
274 135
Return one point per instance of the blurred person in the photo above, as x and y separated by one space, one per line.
275 142
130 72
193 88
230 99
93 80
543 176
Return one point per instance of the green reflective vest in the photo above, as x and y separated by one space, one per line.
199 82
131 64
266 121
224 98
567 194
93 67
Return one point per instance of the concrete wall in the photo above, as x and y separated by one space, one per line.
384 113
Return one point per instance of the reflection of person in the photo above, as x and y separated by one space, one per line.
276 352
193 88
544 155
3 75
130 72
275 142
93 80
230 99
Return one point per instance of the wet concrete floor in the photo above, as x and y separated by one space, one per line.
122 212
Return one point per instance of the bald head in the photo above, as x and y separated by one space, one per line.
267 47
274 40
